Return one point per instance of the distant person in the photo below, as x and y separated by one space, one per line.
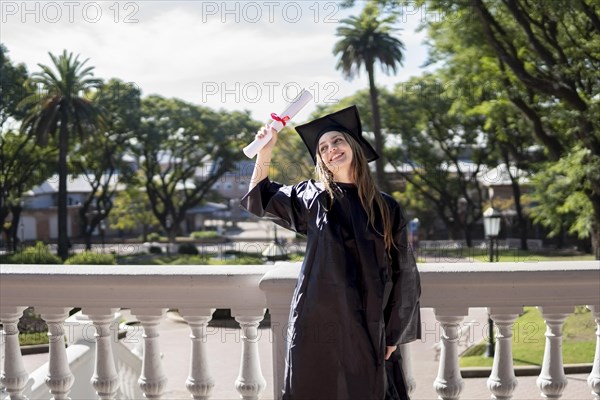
357 296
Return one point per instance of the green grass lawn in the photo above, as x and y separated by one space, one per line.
509 255
28 339
579 340
230 258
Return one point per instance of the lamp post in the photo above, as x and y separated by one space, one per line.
102 230
168 223
491 226
22 226
22 233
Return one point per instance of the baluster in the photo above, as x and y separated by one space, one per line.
105 379
411 383
594 378
250 381
502 381
59 379
152 379
200 382
552 380
279 346
449 383
14 376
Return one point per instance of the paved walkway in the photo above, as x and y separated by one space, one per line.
224 353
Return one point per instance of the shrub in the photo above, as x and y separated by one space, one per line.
188 248
155 250
89 257
188 260
242 260
31 322
38 254
204 234
295 257
153 237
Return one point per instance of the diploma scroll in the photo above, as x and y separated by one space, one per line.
279 122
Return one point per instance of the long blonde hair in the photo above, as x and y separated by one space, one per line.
368 193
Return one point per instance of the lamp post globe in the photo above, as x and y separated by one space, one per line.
491 222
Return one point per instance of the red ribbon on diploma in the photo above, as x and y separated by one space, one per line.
283 120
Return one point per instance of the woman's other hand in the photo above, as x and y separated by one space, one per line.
389 351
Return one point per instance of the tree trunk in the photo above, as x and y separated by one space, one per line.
63 149
376 117
469 236
14 227
4 211
522 221
516 188
455 231
83 226
88 240
595 199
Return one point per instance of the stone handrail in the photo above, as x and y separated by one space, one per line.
450 289
99 290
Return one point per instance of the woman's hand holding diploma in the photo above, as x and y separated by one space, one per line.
278 122
263 160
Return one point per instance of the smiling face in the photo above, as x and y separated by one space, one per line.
335 151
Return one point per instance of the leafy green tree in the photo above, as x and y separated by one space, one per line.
365 40
62 107
12 88
560 195
441 153
23 165
132 209
291 162
479 88
548 51
183 149
101 159
512 144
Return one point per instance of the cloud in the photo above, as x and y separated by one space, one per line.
178 49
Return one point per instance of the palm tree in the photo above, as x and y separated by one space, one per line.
365 40
60 104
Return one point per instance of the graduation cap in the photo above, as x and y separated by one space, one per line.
346 120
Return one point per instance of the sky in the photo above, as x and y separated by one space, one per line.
231 55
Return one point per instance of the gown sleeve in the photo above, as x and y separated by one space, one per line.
287 206
402 312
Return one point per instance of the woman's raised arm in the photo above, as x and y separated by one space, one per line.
263 159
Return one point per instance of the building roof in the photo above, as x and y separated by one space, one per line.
75 184
207 208
499 176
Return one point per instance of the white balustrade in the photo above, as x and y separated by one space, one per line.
552 380
250 381
13 376
411 384
59 379
153 379
502 381
200 382
278 285
105 379
594 378
449 383
450 289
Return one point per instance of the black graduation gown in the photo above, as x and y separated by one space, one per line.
350 299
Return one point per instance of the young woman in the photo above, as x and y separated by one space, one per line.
357 295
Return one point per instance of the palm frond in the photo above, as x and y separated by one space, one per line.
365 40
